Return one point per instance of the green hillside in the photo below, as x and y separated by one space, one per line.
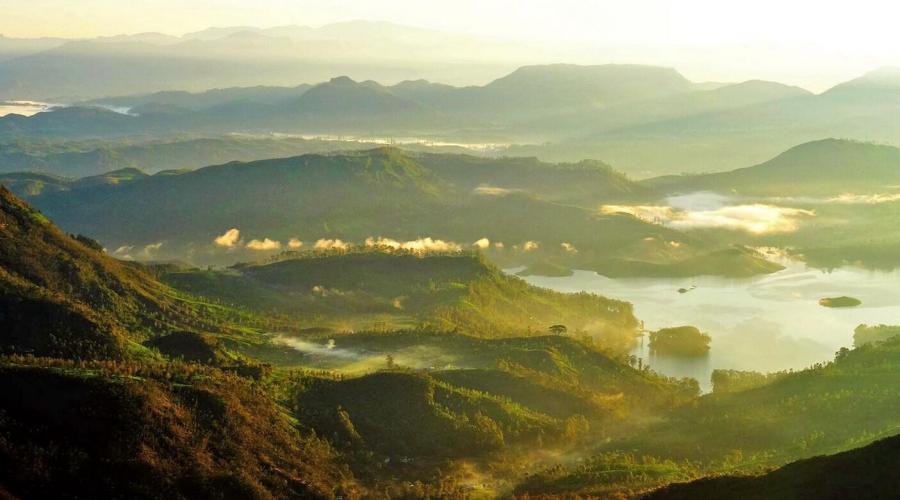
521 211
827 408
732 435
63 296
449 292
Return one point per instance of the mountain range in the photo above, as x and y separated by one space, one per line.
557 112
520 211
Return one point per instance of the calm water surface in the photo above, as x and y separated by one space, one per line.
766 323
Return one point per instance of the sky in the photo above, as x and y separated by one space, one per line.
826 38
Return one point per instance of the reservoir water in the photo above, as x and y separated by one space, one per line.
766 323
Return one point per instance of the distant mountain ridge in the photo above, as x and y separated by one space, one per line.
829 167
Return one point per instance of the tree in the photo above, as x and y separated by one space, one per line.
558 329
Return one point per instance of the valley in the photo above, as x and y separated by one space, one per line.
585 250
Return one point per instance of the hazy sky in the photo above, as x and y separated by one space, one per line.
857 24
827 37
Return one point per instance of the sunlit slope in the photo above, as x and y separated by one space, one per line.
131 430
63 296
448 292
541 391
823 409
735 435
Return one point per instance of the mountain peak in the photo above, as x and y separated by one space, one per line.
342 80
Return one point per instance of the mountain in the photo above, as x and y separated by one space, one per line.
207 99
64 71
348 105
876 84
11 47
869 469
553 89
518 211
73 160
827 168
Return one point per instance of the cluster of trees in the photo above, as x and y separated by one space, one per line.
680 341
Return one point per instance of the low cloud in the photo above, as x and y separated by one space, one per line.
421 245
229 239
528 246
294 243
711 211
264 244
865 199
492 191
483 243
568 247
329 244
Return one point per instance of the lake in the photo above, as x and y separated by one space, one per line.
767 323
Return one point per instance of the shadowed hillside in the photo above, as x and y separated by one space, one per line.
869 472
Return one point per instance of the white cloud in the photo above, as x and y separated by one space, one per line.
568 247
492 191
530 245
865 199
295 243
711 211
124 249
483 243
265 244
420 245
329 244
229 239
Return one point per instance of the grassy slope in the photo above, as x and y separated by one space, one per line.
459 292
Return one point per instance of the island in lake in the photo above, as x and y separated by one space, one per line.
680 341
836 302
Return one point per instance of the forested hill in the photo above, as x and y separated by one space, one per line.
444 291
63 296
522 211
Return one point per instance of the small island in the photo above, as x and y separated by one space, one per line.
680 341
839 302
